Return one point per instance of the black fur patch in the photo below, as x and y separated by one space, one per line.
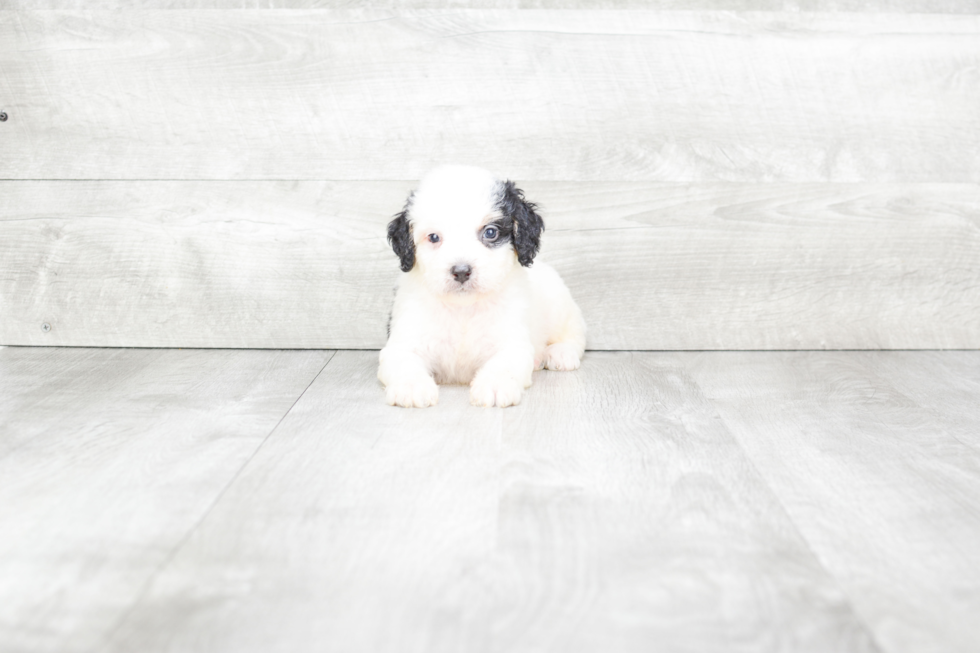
527 225
391 311
400 238
505 232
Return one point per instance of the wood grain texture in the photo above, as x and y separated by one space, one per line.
271 265
108 459
610 511
630 520
860 6
950 404
543 95
875 456
345 535
750 501
653 266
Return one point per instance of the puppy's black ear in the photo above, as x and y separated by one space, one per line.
400 238
528 225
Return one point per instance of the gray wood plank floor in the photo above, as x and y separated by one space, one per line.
202 500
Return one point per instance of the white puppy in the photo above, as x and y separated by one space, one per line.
470 308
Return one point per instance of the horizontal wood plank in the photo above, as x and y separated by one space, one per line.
880 480
174 264
611 509
545 95
654 266
108 459
862 6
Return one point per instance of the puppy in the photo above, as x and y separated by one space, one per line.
470 307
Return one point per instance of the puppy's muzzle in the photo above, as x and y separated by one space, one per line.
461 273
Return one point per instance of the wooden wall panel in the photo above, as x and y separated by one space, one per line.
196 264
858 6
758 178
654 266
547 95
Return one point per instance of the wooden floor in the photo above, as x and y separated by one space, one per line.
232 500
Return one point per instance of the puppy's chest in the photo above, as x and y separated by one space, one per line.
460 343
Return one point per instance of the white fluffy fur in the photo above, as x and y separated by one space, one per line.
492 331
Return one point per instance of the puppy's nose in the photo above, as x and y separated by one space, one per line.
461 273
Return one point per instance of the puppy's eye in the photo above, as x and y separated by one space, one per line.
433 238
490 233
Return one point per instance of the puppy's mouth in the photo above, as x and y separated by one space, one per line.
457 288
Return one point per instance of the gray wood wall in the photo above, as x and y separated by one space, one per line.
784 175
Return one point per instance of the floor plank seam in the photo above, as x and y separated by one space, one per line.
110 633
791 520
64 371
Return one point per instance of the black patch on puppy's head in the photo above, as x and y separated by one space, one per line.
505 232
400 238
528 225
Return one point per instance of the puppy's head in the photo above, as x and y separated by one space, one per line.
464 231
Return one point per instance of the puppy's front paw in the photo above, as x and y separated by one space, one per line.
500 392
562 356
418 394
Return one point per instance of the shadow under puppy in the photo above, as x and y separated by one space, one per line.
470 307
